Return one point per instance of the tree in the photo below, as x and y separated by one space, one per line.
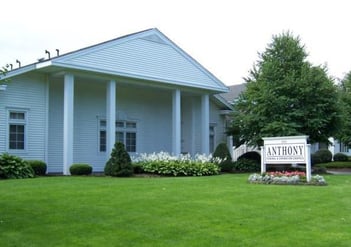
344 133
285 95
3 72
119 164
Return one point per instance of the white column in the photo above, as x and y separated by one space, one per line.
308 163
176 122
68 117
205 123
110 117
230 146
263 160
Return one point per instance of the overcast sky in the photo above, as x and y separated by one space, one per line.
223 35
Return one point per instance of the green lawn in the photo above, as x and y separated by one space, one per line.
189 211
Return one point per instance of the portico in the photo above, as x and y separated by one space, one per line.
111 113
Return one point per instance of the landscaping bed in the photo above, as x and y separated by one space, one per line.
286 178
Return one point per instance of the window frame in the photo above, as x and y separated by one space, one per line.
121 127
17 122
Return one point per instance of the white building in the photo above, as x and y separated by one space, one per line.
140 89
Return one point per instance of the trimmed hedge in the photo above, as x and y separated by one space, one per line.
81 169
336 164
321 156
39 167
340 157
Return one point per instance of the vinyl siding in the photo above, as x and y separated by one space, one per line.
27 94
144 59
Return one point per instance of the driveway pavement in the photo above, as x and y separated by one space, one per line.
339 171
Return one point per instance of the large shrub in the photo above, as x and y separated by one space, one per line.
137 168
321 156
119 164
251 156
38 166
184 165
81 169
315 159
226 166
246 165
14 167
340 157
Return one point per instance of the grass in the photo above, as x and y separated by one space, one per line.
189 211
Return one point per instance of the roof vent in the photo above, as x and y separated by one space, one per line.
19 63
47 52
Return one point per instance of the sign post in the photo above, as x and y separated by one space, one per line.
286 150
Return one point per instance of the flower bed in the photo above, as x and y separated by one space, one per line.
184 165
295 177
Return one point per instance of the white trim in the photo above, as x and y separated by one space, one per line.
43 64
23 122
124 130
165 81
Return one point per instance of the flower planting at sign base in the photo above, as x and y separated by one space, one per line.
294 177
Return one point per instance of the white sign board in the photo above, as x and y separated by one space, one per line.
286 150
291 149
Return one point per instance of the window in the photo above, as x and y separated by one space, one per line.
344 148
125 133
17 130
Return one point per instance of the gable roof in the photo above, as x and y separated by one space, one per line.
147 55
234 92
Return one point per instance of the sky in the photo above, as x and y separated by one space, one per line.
225 36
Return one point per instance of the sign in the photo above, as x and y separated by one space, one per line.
286 150
278 150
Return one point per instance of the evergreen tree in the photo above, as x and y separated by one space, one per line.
3 71
222 152
119 164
